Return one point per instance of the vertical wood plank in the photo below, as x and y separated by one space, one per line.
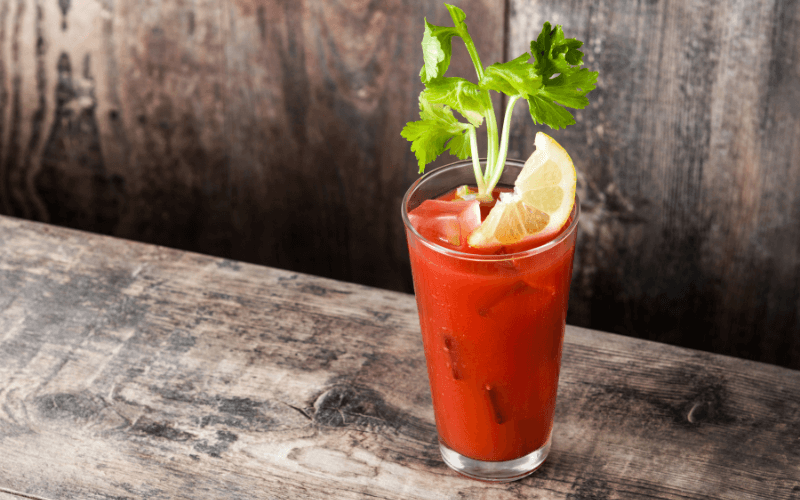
318 162
267 131
688 170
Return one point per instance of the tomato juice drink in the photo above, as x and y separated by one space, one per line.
492 324
492 283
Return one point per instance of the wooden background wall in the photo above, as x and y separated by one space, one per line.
269 131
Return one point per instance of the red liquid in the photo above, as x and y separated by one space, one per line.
493 333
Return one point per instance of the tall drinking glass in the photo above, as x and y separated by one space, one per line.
492 328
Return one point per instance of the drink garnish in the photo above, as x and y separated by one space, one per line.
541 203
553 82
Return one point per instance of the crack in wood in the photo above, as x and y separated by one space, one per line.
22 495
300 410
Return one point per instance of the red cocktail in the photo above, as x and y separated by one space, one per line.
492 323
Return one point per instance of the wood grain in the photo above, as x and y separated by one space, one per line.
268 131
261 130
134 371
688 170
9 495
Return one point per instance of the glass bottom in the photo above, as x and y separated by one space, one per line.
498 472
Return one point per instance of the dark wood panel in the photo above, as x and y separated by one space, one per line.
133 371
689 171
319 123
267 131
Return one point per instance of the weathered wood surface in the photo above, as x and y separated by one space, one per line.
689 160
134 371
268 131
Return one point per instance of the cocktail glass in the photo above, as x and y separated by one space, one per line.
492 328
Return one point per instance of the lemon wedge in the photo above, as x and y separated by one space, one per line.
542 201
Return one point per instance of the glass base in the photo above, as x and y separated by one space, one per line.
499 472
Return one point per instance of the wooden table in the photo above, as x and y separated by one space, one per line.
134 371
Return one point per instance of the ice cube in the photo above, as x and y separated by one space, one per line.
465 193
446 222
519 288
506 197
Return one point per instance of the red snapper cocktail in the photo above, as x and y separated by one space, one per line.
492 322
491 244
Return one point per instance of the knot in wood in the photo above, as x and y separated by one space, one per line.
351 405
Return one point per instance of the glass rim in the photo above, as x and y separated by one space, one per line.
479 257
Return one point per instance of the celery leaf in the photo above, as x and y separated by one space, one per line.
553 53
429 134
552 83
460 95
436 50
460 145
515 77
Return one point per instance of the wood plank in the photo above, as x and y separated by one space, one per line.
128 370
688 166
266 131
317 129
262 131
